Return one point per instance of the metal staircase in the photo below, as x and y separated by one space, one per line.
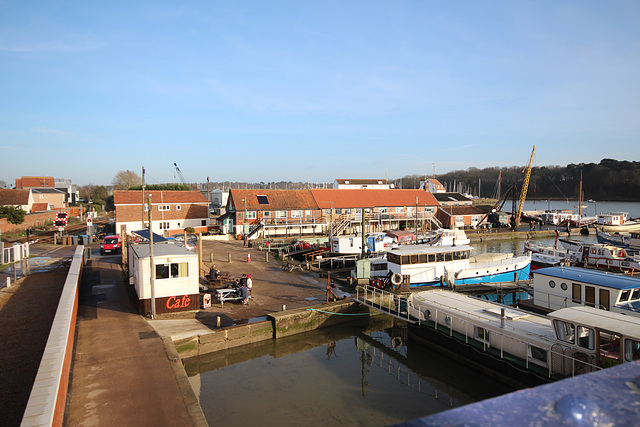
338 226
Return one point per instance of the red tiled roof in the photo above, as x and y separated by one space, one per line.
14 197
369 198
35 182
275 199
132 197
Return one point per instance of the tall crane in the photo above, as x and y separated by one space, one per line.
525 187
179 174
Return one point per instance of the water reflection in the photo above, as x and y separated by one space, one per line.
369 373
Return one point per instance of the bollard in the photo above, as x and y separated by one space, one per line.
266 256
284 307
249 257
8 282
229 256
211 257
217 321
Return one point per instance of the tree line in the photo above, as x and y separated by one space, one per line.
609 180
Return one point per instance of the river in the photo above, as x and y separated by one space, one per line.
356 374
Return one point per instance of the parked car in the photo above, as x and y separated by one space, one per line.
192 240
111 244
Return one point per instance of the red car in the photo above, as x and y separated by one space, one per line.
110 244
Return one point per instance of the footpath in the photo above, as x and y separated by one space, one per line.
122 372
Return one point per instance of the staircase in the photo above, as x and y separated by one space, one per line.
338 226
254 229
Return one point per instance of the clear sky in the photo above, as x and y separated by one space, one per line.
313 90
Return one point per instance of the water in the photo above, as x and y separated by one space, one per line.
593 208
351 375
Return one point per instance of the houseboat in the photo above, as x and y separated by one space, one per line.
346 244
628 241
567 342
548 256
428 265
558 287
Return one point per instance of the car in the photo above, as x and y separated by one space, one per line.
192 240
111 244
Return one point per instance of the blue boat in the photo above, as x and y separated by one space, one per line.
453 265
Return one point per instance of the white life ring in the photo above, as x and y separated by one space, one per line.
396 279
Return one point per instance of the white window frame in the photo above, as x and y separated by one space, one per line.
252 215
296 214
281 214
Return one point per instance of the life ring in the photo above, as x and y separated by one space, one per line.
396 279
396 342
377 283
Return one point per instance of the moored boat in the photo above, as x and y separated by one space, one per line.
618 222
453 265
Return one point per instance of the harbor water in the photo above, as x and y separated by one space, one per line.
357 374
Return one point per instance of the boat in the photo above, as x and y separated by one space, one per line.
602 255
559 287
548 256
427 265
445 237
514 343
630 241
617 222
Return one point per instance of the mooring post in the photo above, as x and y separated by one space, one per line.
8 282
217 321
229 256
266 256
211 257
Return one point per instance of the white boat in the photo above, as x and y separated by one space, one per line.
559 287
602 255
548 256
445 237
629 241
427 265
567 342
617 222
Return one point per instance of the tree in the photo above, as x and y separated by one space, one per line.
87 192
124 180
14 215
100 194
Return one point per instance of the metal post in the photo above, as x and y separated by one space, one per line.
151 265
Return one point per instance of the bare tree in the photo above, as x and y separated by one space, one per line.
126 179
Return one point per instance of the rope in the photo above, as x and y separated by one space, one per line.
341 314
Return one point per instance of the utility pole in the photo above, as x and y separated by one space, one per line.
142 225
151 266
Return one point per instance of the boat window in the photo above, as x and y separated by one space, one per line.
586 337
590 296
576 293
565 331
406 260
481 333
636 294
448 256
466 254
552 284
563 286
422 259
631 350
431 257
379 267
440 257
625 295
414 259
537 353
393 258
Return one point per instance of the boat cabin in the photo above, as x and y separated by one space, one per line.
346 244
612 218
559 287
378 242
604 338
427 265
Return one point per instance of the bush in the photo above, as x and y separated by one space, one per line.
13 215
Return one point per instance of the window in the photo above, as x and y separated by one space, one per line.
251 215
481 334
603 299
586 337
636 294
565 331
383 210
537 353
281 214
345 211
203 223
576 293
338 211
400 209
296 214
266 214
631 350
263 200
164 207
590 296
172 270
563 286
178 207
625 295
327 211
552 284
164 225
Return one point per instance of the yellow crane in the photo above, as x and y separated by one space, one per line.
525 187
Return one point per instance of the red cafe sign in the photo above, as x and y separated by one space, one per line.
178 302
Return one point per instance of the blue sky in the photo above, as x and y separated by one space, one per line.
312 91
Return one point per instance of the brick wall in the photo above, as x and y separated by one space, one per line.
36 219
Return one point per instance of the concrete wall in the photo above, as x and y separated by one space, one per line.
48 395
